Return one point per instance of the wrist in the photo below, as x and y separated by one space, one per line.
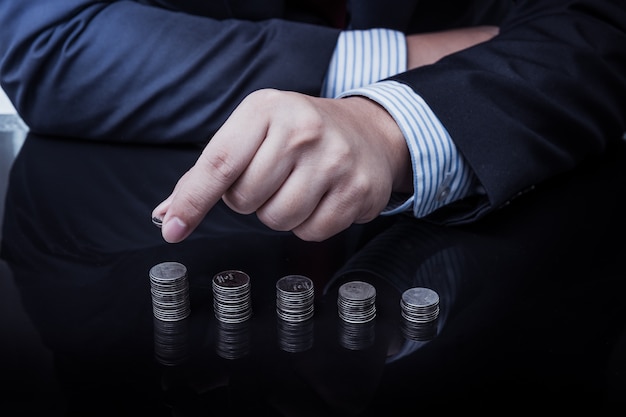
396 150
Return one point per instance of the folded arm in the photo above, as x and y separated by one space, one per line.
127 71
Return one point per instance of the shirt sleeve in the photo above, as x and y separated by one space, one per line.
362 57
440 174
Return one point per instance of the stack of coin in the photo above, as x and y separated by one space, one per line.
170 291
420 305
357 302
231 296
294 298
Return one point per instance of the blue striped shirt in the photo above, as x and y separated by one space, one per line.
440 174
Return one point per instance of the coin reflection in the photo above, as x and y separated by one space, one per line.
295 337
233 339
171 343
419 332
357 336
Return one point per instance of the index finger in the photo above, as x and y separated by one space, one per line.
222 161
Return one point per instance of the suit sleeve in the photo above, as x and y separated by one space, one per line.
539 99
131 71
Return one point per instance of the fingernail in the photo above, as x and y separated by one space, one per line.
174 230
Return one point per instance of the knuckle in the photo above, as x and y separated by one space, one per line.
340 159
310 125
273 220
354 193
310 234
264 96
238 201
220 166
321 228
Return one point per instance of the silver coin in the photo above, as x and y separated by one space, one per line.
357 291
421 318
234 308
174 296
174 315
167 272
231 279
157 222
234 319
359 318
294 284
420 297
294 317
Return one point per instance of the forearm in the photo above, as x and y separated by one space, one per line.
131 72
544 95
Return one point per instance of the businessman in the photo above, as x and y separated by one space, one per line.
318 115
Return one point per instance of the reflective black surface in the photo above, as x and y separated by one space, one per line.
532 309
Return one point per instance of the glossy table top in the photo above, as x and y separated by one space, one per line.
531 300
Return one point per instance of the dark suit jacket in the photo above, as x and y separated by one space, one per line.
546 94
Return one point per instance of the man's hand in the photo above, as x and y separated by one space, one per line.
310 165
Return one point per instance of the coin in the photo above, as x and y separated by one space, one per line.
157 222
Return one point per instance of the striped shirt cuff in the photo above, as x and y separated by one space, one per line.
440 174
363 57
